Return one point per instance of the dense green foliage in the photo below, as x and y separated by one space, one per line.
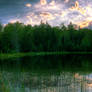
18 37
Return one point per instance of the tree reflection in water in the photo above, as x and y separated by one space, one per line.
46 74
49 82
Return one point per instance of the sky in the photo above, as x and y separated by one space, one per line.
55 12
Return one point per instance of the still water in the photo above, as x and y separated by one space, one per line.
21 76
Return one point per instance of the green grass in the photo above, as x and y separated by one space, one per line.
18 55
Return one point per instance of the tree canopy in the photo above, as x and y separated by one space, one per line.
17 37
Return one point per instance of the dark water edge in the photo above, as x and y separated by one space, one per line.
49 62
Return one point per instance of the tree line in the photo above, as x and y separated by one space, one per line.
17 37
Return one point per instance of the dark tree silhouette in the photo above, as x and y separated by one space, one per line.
18 37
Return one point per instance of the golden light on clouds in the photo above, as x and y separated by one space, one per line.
77 7
84 23
28 5
56 13
47 15
29 20
46 10
76 4
43 2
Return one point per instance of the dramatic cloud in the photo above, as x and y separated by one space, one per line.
54 12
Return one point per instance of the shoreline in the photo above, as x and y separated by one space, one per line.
18 55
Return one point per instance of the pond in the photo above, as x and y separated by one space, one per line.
46 74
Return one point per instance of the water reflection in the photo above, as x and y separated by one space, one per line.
60 74
45 82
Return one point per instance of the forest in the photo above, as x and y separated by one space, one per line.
18 37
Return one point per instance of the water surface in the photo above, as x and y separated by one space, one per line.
46 74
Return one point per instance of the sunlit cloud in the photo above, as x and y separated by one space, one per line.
28 5
14 20
29 20
78 8
47 16
32 20
84 23
51 11
43 2
55 12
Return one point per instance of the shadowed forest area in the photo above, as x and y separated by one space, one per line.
17 37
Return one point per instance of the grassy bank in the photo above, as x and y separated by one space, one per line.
18 55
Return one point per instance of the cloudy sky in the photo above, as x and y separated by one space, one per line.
54 12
